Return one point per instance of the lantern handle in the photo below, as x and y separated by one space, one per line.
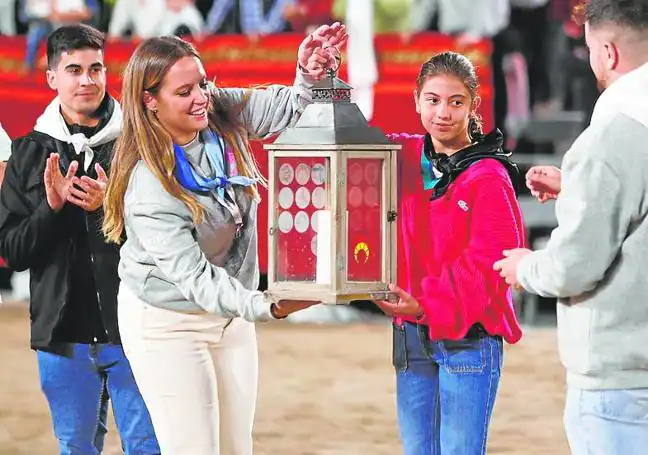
337 55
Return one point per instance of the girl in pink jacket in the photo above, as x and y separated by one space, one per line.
457 212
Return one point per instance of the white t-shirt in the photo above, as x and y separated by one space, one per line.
40 9
5 145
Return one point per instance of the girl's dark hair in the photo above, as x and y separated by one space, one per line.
453 64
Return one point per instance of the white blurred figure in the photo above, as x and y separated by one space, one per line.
20 286
45 16
59 12
142 17
421 15
362 66
5 152
364 20
181 14
150 18
471 20
254 22
7 17
5 146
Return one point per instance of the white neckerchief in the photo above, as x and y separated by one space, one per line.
51 122
5 145
627 95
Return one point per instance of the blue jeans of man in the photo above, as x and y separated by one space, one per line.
607 422
445 390
78 385
36 33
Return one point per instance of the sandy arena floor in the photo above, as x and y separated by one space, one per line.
325 390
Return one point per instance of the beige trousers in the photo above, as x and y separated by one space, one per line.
198 374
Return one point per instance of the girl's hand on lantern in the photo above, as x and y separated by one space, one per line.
406 305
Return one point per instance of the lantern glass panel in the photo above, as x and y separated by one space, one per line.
365 229
303 219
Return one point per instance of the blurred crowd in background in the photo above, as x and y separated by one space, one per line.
539 57
539 61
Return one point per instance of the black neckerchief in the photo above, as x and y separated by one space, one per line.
103 113
489 146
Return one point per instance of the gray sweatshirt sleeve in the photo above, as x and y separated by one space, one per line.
593 220
165 231
270 110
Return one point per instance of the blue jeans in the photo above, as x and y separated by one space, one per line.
607 422
36 33
78 385
445 390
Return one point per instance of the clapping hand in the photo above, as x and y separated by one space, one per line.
90 192
57 186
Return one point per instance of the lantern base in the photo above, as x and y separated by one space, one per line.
371 295
328 298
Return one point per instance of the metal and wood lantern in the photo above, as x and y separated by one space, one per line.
332 203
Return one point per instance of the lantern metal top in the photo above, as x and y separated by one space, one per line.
331 89
332 119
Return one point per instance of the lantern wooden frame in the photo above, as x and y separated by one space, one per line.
334 128
340 289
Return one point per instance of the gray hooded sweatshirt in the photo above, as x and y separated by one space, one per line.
169 262
595 262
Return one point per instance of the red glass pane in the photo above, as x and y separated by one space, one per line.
364 215
302 196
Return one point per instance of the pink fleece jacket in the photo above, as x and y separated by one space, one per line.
447 246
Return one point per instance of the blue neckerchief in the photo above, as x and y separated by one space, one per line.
215 150
430 175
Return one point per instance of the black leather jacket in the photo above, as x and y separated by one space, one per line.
65 252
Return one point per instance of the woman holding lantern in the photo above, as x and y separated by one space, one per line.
457 212
183 195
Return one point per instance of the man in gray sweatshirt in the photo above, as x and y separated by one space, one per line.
594 262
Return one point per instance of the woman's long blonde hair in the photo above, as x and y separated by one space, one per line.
144 138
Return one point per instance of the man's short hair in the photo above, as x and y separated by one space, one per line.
624 13
72 38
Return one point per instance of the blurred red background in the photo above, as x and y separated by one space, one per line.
232 60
